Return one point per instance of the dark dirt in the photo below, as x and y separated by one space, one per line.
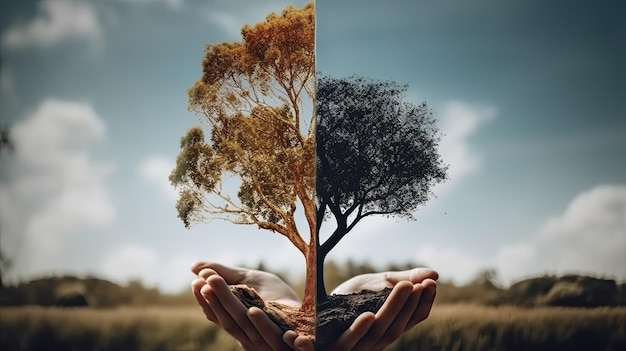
337 313
334 315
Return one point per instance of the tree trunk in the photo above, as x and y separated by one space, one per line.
308 301
321 294
321 253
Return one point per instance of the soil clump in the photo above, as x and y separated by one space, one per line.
285 316
338 312
334 315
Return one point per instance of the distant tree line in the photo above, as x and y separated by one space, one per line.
547 290
69 291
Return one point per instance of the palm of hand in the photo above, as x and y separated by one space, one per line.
380 281
409 303
267 285
252 328
270 287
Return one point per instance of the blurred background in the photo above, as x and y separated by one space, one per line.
94 100
529 102
529 98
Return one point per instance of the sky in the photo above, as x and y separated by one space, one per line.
529 98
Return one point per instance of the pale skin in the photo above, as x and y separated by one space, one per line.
408 304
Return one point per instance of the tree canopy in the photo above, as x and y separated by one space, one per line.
252 93
376 153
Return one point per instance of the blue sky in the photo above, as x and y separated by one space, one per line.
529 97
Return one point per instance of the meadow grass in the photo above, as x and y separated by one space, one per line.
480 328
450 327
127 328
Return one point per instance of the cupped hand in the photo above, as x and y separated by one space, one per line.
252 328
409 303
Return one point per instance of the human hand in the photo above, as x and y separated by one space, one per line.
409 303
252 328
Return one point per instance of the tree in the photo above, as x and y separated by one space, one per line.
376 155
6 142
255 94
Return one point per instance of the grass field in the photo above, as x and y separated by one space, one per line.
450 327
467 327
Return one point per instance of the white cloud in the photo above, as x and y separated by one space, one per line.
52 188
516 261
176 274
459 121
56 21
156 171
588 238
452 264
153 268
131 262
590 235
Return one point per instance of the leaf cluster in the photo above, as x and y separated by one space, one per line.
272 66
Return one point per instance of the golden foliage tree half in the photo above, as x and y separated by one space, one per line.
255 94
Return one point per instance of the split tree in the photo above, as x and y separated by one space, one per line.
376 153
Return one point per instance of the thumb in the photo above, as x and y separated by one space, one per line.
232 275
415 275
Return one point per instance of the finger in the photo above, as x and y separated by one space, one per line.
426 302
400 322
232 314
415 275
298 342
352 335
198 266
220 315
304 343
385 316
196 286
232 275
225 320
289 338
205 273
267 329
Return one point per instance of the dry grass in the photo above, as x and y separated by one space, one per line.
128 328
450 327
474 327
